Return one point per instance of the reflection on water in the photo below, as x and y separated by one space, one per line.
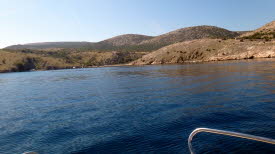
138 109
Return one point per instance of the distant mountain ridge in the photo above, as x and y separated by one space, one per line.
46 45
136 42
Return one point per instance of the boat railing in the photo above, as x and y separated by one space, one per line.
216 131
227 133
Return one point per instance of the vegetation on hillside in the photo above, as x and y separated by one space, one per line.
191 33
14 61
267 36
135 42
266 33
199 43
26 60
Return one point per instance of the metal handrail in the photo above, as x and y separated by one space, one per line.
228 133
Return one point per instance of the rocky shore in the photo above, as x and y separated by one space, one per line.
209 50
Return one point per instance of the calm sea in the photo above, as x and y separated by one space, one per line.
148 109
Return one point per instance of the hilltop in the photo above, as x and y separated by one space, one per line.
191 33
135 42
127 39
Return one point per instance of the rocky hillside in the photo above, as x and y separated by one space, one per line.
208 50
254 44
266 32
191 33
135 42
192 44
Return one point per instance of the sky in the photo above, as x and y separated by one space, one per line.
28 21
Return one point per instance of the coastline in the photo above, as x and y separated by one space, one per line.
133 65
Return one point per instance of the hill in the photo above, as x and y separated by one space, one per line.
135 42
191 44
191 33
266 32
50 45
252 44
15 61
208 50
127 39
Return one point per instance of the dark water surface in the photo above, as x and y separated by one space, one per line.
150 109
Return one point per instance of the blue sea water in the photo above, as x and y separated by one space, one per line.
145 109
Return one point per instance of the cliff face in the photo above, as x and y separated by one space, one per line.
209 50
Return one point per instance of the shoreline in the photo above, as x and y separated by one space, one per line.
135 65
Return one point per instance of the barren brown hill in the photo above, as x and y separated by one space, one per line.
208 50
191 33
135 42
